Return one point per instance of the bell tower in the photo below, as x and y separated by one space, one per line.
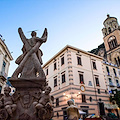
111 33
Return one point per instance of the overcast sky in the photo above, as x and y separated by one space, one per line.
69 22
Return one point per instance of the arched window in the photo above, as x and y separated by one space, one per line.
112 42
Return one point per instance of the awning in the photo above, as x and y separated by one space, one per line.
81 112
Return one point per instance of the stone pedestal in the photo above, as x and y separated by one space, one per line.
27 92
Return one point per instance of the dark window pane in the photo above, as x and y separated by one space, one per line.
62 60
97 81
55 66
83 98
81 78
63 78
3 66
90 99
98 91
79 60
94 65
57 102
108 70
55 82
114 71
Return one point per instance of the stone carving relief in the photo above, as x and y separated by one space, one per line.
7 104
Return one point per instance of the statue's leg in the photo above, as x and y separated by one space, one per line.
9 110
37 66
21 65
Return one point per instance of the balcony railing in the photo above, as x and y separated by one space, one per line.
111 84
118 85
2 73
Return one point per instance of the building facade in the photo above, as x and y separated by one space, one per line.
76 74
5 58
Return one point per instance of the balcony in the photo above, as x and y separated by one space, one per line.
3 75
111 84
118 85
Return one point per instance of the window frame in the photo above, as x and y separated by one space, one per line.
79 61
62 60
94 65
63 76
83 98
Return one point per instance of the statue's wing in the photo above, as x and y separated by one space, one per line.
22 36
45 34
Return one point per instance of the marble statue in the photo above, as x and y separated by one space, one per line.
30 61
31 100
72 111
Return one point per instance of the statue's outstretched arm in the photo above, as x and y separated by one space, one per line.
22 36
44 36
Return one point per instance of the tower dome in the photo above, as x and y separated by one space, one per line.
110 24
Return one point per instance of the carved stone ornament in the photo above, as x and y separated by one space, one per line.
31 100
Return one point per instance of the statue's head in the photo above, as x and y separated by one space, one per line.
7 90
47 89
70 102
33 34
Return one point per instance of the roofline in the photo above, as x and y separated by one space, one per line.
6 49
74 48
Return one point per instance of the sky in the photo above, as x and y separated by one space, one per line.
69 22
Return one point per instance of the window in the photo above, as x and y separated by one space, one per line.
79 60
106 91
94 65
3 67
98 91
62 61
55 81
110 82
63 78
114 71
90 99
57 102
117 60
83 98
90 83
107 68
57 115
81 78
97 81
47 71
55 66
112 42
117 82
